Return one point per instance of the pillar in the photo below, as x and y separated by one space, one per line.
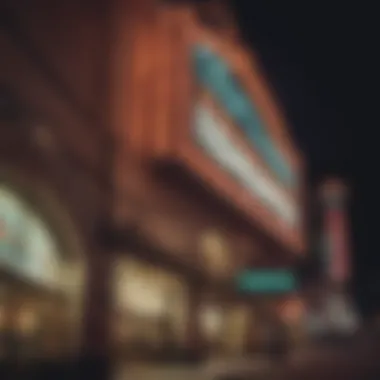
194 339
96 340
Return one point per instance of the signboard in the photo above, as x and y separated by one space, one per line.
212 136
267 281
337 248
215 75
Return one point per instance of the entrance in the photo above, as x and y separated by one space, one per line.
33 321
39 286
150 311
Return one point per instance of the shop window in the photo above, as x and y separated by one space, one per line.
36 308
236 329
224 328
150 309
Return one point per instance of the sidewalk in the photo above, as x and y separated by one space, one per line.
207 371
159 373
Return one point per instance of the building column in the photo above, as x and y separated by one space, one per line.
98 296
194 336
252 338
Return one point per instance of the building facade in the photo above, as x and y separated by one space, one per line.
54 168
151 148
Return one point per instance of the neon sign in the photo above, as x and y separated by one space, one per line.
210 134
214 74
269 281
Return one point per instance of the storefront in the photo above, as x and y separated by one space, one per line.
149 315
292 313
223 318
158 311
210 164
40 284
224 328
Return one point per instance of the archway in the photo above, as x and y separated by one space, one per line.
42 274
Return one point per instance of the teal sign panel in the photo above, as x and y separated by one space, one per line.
215 75
266 281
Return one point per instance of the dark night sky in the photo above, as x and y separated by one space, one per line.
321 61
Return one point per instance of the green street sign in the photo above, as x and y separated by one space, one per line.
266 281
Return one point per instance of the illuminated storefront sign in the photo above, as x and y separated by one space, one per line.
212 136
26 246
214 74
269 281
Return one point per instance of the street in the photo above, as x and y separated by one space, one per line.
357 360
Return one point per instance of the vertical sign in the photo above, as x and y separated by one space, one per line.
336 232
338 250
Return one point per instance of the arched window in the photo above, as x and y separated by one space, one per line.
27 247
39 310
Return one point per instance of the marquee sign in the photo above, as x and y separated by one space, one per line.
214 74
219 133
211 135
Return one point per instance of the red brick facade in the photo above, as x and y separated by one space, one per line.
98 89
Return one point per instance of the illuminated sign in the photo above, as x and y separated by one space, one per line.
212 136
267 281
26 245
214 74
